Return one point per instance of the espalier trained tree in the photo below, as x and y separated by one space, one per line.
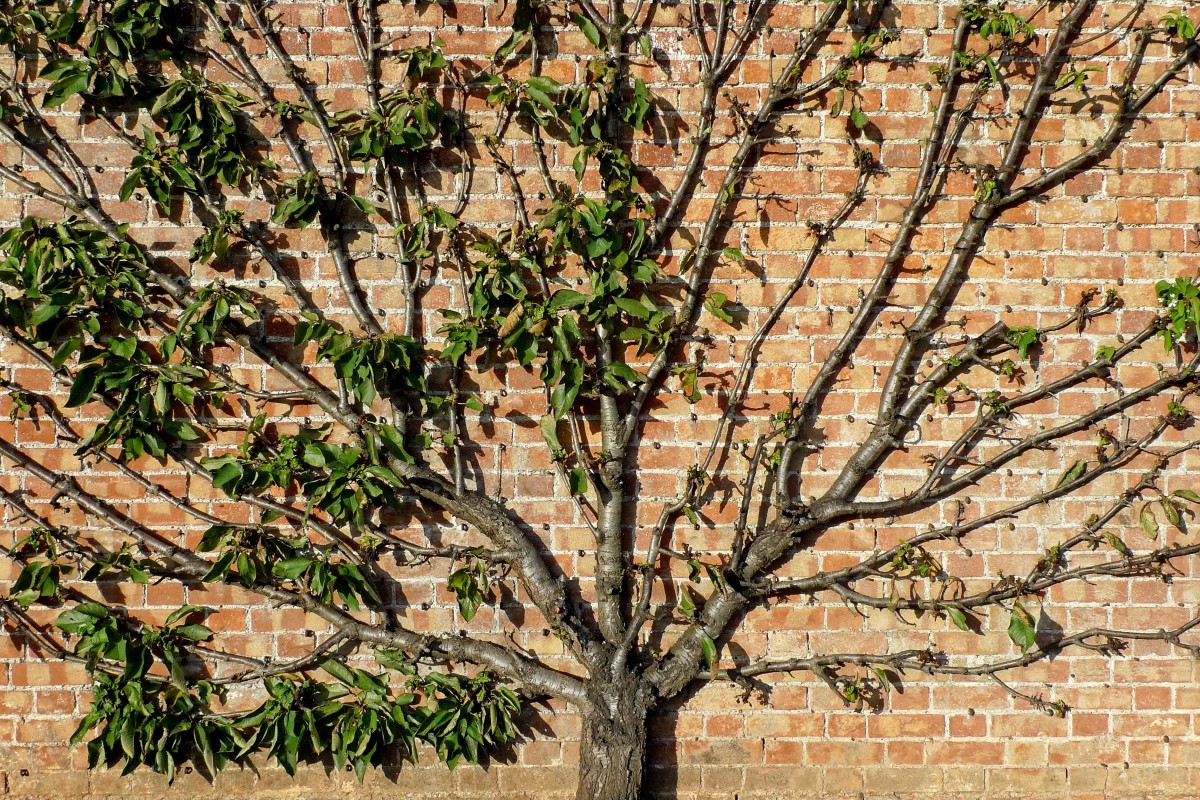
598 282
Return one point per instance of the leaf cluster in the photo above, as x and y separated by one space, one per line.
142 392
470 584
203 322
113 44
1178 25
357 720
388 364
406 122
203 142
60 274
253 554
1181 299
38 581
345 481
1023 338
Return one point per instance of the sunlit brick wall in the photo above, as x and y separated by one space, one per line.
1133 728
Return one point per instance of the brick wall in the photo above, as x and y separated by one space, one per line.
1133 727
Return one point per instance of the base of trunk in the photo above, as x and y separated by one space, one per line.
613 748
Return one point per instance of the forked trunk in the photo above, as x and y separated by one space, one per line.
613 750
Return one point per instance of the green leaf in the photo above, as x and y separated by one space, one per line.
540 97
26 598
220 568
858 118
65 350
1172 512
549 427
197 633
385 474
247 569
709 649
598 247
444 219
578 480
84 386
65 89
338 670
227 474
313 456
393 441
958 617
128 740
686 607
292 568
1023 338
183 431
1116 543
716 305
620 376
468 605
544 84
1186 494
1073 474
82 618
633 308
45 311
1148 521
734 254
182 612
124 347
590 31
566 298
169 96
469 584
364 205
1020 627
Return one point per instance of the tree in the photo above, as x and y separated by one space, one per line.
345 447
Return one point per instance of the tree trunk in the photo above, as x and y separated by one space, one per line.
613 749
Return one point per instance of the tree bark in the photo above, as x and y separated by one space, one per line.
613 750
